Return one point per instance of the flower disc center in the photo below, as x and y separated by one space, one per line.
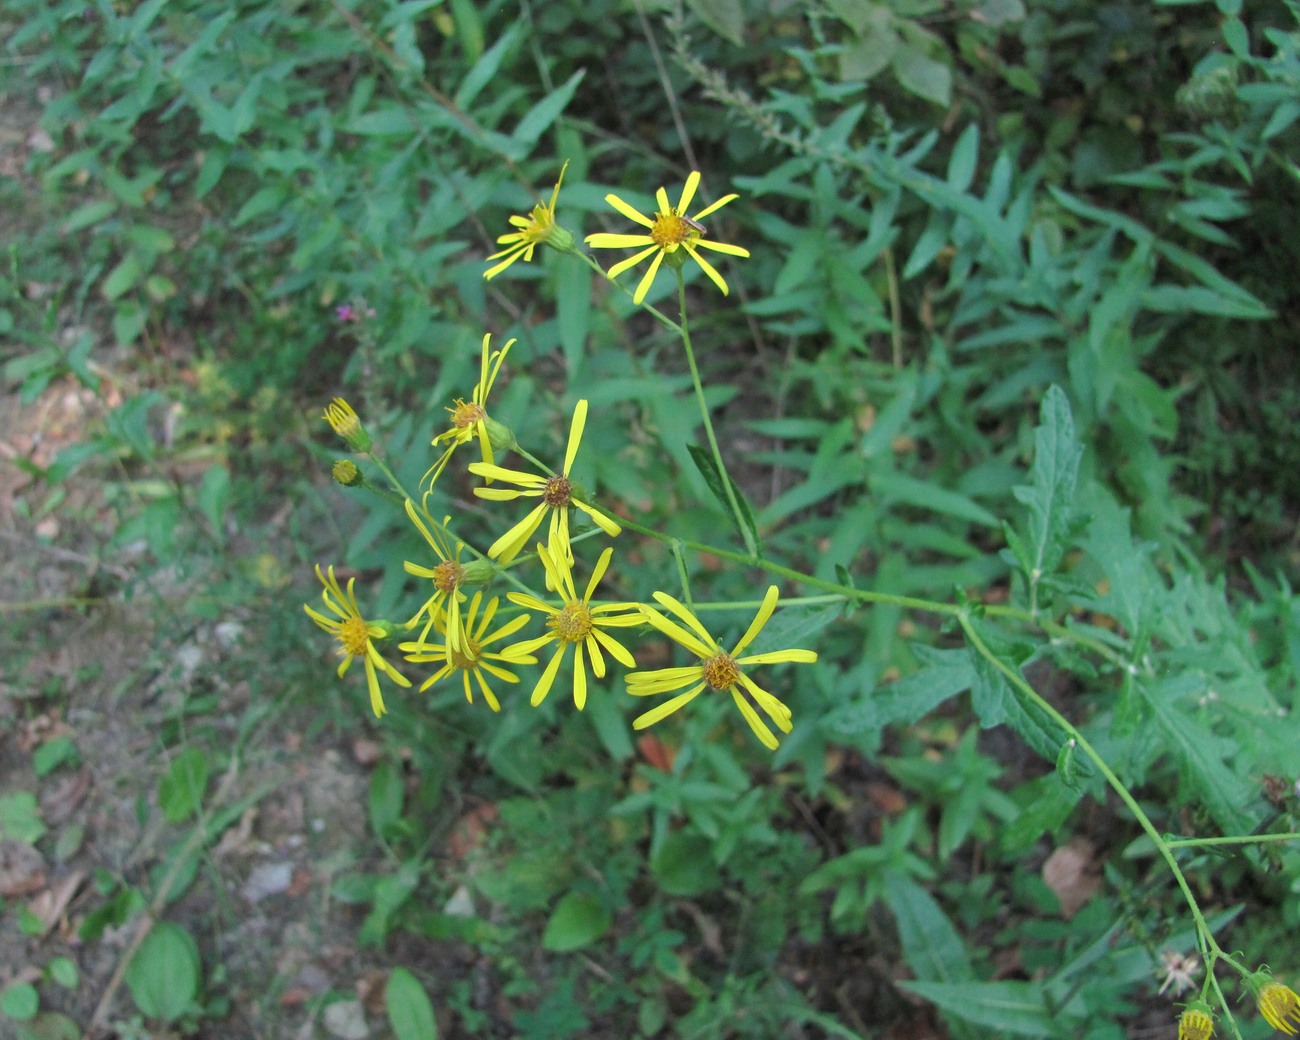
721 672
354 635
572 624
448 575
558 493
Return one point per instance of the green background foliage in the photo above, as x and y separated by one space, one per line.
1017 332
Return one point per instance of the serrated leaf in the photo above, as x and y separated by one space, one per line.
997 702
410 1012
932 947
944 673
1049 498
1004 1007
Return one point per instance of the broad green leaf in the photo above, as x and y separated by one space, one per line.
163 976
19 1002
918 68
1017 1008
410 1012
124 277
943 674
579 920
181 788
683 865
932 947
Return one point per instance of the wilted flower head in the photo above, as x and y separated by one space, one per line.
1196 1022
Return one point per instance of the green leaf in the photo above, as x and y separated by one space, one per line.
181 789
487 66
932 947
163 976
1049 498
124 277
63 970
410 1011
997 702
573 312
898 487
917 71
944 673
214 497
387 796
683 865
579 920
708 468
54 753
90 213
965 156
20 1001
538 119
724 17
1003 1007
20 818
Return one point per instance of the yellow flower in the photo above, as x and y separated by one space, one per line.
575 622
474 658
1280 1007
343 421
1196 1023
356 636
556 494
537 228
471 420
718 670
447 578
670 229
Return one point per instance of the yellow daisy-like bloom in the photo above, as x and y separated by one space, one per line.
447 578
556 494
356 636
344 421
718 669
474 658
1196 1023
469 421
1280 1007
670 229
575 623
535 229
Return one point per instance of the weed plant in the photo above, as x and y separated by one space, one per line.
822 542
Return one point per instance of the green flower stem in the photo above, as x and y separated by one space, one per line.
730 491
654 311
842 591
1248 839
1209 947
398 487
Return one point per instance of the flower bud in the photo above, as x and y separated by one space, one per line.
347 473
